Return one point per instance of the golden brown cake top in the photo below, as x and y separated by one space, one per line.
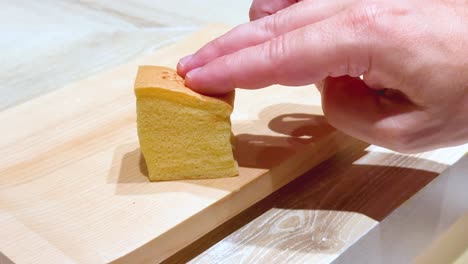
159 77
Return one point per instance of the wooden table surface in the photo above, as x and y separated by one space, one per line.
48 44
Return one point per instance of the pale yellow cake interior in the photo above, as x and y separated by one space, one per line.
183 135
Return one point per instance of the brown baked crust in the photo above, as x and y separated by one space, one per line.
150 78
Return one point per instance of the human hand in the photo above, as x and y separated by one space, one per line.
413 55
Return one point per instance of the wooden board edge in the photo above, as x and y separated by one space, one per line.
164 246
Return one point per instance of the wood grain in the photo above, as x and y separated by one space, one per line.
315 218
73 185
421 219
48 44
70 56
51 43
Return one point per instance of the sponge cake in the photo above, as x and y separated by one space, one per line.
183 134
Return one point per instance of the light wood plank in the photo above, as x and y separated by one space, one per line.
420 220
176 12
53 60
48 44
318 216
81 38
72 177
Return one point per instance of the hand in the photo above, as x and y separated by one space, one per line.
413 55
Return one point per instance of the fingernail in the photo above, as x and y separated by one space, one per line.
185 60
189 78
191 73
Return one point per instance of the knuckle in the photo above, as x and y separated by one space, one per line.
372 18
271 23
275 51
380 19
276 48
365 17
217 46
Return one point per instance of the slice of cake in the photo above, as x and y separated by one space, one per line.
183 134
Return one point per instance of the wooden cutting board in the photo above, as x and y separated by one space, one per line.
72 181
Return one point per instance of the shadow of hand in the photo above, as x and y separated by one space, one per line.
287 133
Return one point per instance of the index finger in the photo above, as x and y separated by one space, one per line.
307 55
262 30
